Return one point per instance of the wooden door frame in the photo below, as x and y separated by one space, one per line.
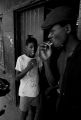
17 36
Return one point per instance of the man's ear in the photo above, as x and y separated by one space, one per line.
68 28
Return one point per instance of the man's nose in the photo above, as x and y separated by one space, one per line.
49 36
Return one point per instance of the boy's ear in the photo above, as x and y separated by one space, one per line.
68 28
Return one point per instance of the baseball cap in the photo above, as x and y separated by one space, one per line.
61 13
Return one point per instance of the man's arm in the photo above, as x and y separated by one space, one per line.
48 73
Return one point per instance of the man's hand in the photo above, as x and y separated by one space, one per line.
45 51
50 90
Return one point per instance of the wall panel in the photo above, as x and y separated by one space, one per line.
31 21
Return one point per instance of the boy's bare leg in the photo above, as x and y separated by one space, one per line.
32 112
23 115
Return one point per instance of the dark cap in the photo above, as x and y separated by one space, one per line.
59 14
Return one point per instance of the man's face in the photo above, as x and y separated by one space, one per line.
58 35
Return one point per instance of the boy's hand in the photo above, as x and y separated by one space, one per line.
32 63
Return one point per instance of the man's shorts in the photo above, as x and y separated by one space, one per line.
26 102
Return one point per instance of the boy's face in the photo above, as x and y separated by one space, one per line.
30 50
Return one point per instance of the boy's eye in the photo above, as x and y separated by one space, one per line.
31 46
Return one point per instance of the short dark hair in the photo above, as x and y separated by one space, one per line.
31 39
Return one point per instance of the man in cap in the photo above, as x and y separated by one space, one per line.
61 23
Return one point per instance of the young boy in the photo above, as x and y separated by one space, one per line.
27 73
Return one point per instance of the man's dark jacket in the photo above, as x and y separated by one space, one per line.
70 97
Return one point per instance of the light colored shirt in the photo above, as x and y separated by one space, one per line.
29 83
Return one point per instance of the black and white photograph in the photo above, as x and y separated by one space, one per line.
40 59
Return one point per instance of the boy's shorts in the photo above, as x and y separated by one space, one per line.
26 102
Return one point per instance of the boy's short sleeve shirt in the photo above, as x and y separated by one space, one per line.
29 83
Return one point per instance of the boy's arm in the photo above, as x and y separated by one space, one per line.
21 74
17 74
